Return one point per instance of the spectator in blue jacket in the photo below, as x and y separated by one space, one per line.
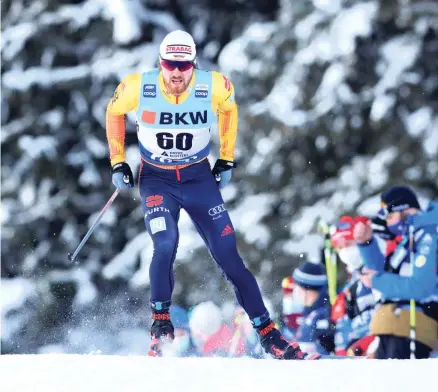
408 272
315 333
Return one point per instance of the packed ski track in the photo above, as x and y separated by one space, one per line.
95 373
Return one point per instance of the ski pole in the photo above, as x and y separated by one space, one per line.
330 260
412 306
334 271
73 256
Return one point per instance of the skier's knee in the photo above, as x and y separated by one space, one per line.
166 247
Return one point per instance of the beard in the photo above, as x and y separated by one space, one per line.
177 85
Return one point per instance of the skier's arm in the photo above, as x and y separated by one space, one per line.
124 100
422 283
224 104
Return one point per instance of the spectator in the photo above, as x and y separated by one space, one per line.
408 272
315 334
354 305
291 309
211 336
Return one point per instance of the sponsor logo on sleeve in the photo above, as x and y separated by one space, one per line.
149 90
424 249
427 239
120 88
420 261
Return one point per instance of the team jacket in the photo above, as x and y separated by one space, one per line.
315 333
352 313
395 280
173 130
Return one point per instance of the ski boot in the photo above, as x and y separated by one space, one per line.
276 345
162 333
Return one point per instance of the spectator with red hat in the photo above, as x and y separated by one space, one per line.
354 305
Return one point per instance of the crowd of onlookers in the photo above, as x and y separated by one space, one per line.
387 308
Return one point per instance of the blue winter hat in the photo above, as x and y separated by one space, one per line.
397 198
179 317
310 276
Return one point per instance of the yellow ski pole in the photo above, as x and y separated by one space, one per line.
412 305
330 260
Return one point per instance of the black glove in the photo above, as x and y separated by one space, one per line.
122 176
222 171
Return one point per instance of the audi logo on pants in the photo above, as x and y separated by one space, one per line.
217 210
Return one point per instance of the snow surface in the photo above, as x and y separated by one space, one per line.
95 373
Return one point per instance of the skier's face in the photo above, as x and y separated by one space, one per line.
176 75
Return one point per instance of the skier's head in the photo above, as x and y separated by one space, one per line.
397 203
343 241
311 280
177 60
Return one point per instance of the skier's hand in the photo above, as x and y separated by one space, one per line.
122 176
222 171
362 232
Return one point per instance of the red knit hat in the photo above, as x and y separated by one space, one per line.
344 230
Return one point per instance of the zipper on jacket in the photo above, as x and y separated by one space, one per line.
178 175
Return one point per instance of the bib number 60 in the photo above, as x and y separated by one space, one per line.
182 141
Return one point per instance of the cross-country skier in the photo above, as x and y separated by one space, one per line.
398 280
175 105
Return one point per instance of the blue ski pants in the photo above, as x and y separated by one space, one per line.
163 193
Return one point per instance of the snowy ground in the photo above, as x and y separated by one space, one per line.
64 373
